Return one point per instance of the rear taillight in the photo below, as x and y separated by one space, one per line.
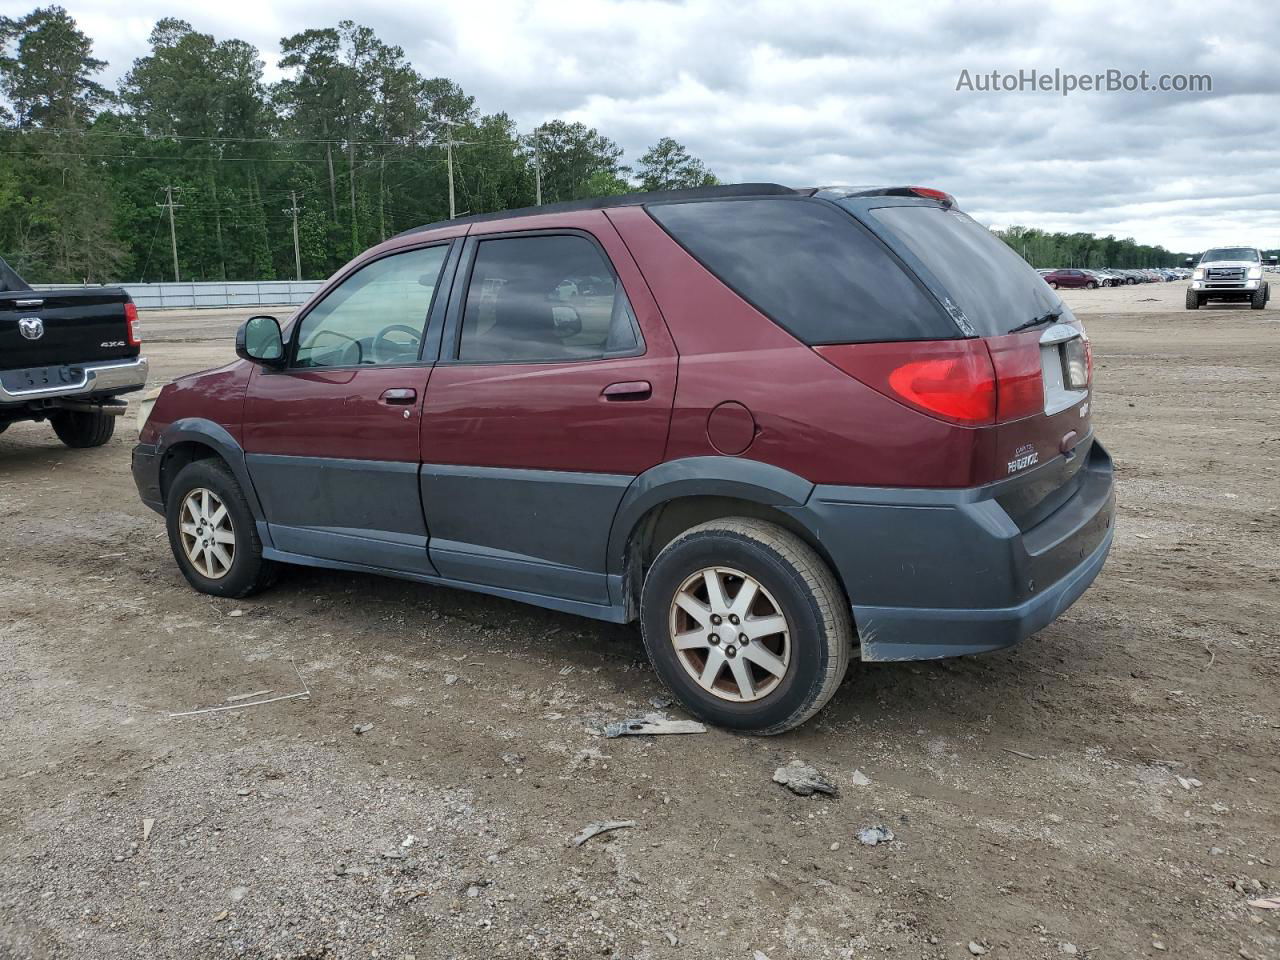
1019 377
962 381
131 324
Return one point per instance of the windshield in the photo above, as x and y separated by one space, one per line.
995 288
1230 253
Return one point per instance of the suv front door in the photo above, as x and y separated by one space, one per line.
331 440
554 390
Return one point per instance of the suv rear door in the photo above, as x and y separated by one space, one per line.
554 390
331 440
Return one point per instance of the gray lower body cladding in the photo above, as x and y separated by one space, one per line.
929 573
940 573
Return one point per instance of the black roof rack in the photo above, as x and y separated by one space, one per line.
625 200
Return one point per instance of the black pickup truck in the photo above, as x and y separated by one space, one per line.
66 356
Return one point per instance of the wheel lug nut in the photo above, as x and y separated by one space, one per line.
733 618
743 639
730 651
715 618
714 638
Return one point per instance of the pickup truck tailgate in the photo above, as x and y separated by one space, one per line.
70 326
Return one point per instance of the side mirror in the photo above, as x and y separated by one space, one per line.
566 320
259 341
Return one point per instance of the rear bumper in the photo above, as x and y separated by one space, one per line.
940 573
73 380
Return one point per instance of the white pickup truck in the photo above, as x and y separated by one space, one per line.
1229 274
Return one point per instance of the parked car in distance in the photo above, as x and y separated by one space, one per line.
1071 278
1229 275
67 356
755 429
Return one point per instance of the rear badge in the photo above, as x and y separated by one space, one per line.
1023 457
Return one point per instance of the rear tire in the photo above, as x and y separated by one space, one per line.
1092 285
1259 298
237 569
798 625
1193 300
78 429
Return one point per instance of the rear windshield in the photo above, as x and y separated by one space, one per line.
996 288
809 267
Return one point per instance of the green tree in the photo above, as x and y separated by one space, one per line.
48 76
667 165
58 221
571 154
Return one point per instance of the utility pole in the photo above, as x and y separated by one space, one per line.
537 169
293 209
173 233
452 206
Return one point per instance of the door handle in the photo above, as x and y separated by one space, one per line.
399 395
628 390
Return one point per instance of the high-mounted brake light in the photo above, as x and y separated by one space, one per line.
946 199
131 324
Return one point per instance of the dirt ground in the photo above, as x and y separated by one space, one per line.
1034 794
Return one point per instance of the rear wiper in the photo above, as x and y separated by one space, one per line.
1046 318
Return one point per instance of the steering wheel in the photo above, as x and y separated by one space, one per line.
385 350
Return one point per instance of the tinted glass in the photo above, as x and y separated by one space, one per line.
996 288
376 315
1230 253
808 266
544 298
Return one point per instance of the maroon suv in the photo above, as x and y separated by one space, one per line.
777 427
1071 278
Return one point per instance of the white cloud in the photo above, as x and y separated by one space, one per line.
809 93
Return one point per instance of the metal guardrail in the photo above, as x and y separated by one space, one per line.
251 293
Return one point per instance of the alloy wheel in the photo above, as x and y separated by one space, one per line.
730 634
208 538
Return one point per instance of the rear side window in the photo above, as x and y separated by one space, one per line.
545 298
996 288
809 267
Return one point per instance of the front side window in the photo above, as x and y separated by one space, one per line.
544 298
376 316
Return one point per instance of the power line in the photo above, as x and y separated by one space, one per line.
139 156
406 142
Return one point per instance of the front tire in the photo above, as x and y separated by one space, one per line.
1092 285
1259 298
746 625
212 532
1054 284
79 429
1193 300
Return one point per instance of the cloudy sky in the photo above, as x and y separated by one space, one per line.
815 93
